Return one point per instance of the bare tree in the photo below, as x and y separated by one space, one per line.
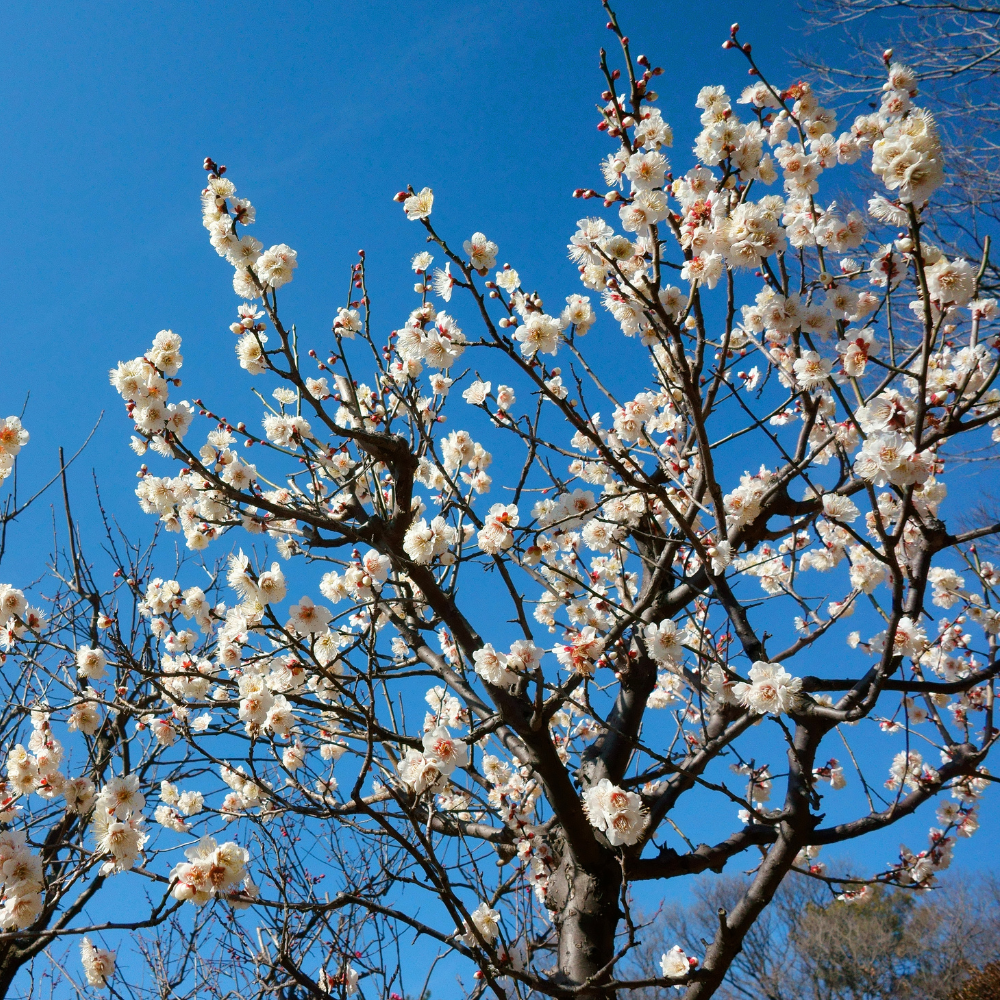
894 945
508 827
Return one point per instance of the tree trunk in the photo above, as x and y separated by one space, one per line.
586 918
9 964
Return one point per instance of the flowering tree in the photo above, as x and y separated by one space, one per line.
954 51
601 638
76 762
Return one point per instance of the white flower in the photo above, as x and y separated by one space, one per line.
351 978
307 617
421 261
951 282
98 964
492 667
771 689
721 555
840 508
908 769
347 323
857 350
618 814
664 642
122 839
420 773
705 269
448 753
190 802
275 266
487 922
121 797
909 639
811 370
496 534
271 586
482 252
210 869
891 458
646 170
418 206
12 438
505 397
238 475
578 313
91 663
674 964
443 283
581 654
477 392
539 333
440 384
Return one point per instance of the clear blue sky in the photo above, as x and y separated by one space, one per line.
322 111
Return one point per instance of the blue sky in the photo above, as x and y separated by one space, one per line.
321 116
322 111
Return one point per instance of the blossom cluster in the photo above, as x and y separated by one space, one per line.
98 963
23 881
617 813
213 869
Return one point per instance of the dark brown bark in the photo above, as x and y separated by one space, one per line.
587 915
